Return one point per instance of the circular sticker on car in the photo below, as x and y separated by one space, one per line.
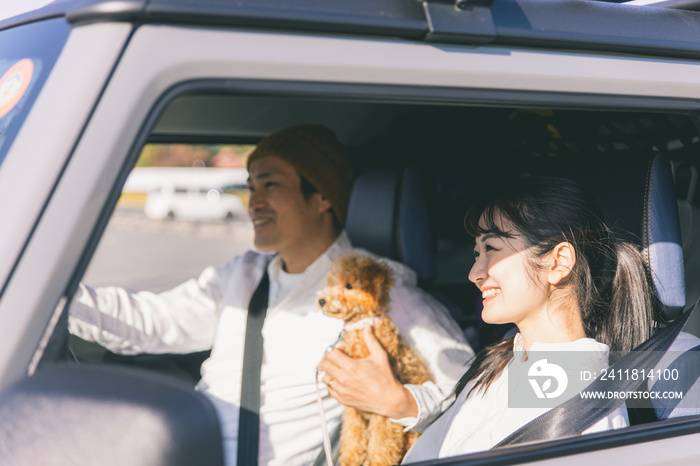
14 83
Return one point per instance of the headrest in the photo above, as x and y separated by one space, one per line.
388 216
637 199
107 415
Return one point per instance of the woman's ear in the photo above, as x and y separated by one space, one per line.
561 262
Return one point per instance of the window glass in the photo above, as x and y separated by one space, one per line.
27 55
155 239
158 238
173 219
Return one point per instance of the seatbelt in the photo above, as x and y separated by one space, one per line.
249 420
576 415
688 382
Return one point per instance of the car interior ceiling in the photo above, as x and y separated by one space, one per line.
460 152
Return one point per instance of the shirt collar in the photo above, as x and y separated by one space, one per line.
596 350
582 344
340 246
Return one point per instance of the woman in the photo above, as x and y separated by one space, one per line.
545 261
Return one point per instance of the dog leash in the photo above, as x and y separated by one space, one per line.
324 427
359 325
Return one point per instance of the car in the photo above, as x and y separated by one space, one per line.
203 204
192 194
437 102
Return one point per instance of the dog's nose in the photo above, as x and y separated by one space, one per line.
321 302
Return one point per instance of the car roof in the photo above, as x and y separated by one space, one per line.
563 24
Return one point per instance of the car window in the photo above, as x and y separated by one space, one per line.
156 240
27 55
155 243
146 216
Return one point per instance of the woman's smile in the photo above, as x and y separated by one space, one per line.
512 290
487 294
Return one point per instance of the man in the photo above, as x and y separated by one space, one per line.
299 182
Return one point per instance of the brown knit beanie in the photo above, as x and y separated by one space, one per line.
318 156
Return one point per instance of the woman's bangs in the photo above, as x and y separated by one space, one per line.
485 219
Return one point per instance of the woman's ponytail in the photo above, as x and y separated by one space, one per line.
627 319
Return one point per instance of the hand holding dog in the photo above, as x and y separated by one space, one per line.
367 384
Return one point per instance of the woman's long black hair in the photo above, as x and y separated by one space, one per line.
609 278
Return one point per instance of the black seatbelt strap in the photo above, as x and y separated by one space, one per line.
249 420
576 415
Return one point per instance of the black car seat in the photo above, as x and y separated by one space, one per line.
388 215
637 199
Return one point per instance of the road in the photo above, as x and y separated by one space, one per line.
141 254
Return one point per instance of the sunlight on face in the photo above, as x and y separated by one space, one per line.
513 291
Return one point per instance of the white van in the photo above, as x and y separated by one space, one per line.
192 203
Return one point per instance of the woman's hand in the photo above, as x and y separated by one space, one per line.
367 384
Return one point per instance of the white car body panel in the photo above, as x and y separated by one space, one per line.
59 114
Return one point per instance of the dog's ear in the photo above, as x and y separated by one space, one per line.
339 269
381 282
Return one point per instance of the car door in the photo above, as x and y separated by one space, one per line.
164 64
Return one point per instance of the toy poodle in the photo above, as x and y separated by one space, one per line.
357 292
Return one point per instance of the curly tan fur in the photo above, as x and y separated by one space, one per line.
358 287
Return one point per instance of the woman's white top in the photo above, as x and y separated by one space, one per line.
482 420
